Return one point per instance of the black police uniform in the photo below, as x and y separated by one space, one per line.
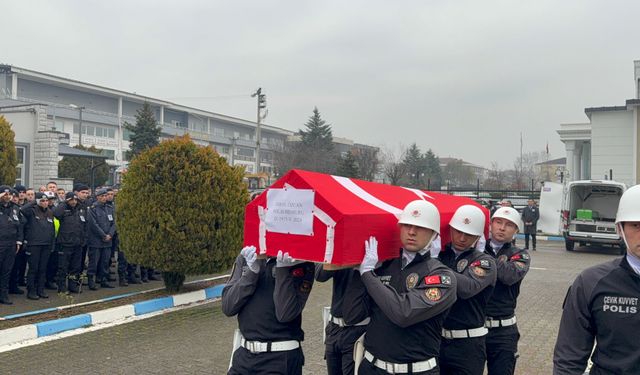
101 223
502 339
269 306
530 215
462 350
407 308
602 304
11 235
123 265
342 333
71 236
39 237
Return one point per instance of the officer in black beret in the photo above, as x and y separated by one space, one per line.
11 238
102 228
71 235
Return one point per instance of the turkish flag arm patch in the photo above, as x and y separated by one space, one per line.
437 280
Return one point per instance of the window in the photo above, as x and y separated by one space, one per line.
76 128
219 132
20 171
99 131
125 155
111 133
243 151
111 154
89 130
126 134
247 136
266 157
59 125
222 149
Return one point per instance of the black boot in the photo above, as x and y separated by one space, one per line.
62 286
16 290
42 293
51 285
122 280
153 277
92 282
31 294
74 284
4 298
105 284
134 279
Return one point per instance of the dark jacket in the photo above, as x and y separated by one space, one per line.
476 277
73 224
602 304
102 221
269 304
11 225
408 307
39 229
530 214
512 264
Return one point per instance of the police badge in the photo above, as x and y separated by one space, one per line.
412 280
502 258
462 265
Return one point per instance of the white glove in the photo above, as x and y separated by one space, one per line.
370 259
250 256
285 260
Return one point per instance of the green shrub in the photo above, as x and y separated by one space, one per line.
8 157
181 210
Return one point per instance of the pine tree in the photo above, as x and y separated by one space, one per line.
145 133
433 172
181 210
415 165
347 167
79 168
318 133
8 156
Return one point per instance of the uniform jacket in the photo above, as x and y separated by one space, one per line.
73 224
530 214
269 304
407 308
101 222
475 274
11 225
512 265
39 228
602 304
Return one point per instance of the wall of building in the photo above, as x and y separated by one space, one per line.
55 94
612 145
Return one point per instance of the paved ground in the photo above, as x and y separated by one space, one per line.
198 340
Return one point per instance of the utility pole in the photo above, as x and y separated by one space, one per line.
79 108
262 104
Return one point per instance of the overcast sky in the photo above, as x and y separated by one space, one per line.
463 78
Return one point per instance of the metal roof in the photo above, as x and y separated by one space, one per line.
65 150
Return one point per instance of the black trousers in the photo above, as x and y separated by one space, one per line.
37 258
367 368
288 362
52 264
502 350
99 258
526 240
19 269
339 348
7 256
462 356
69 262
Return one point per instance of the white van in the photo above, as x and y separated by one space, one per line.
589 212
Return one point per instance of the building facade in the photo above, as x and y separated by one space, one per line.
607 146
46 110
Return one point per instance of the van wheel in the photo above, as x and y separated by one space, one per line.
569 245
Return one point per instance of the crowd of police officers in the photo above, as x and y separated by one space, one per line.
57 240
425 312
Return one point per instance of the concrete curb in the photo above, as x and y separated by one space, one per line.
542 238
20 334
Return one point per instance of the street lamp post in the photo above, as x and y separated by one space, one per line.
80 120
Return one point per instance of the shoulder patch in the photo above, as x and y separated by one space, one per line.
502 258
433 294
297 272
484 263
462 265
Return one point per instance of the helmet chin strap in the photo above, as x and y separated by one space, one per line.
433 237
621 233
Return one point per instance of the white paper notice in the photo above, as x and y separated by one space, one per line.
290 211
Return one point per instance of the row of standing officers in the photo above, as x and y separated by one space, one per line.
418 313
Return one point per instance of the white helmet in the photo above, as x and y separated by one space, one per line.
421 214
629 206
509 213
468 219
